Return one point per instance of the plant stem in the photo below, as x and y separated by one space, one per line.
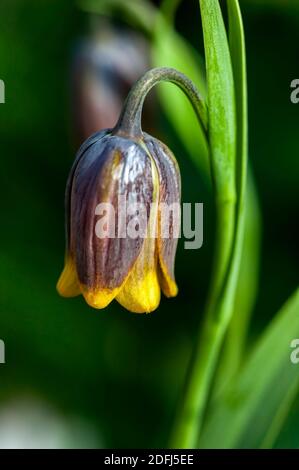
130 119
216 315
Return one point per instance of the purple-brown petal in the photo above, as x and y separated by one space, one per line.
67 199
112 167
170 196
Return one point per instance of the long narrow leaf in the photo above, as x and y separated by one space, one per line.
246 291
266 386
221 99
248 275
222 140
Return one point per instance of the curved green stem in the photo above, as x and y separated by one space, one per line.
130 119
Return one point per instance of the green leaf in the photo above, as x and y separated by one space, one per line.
252 410
246 290
223 146
184 57
249 261
238 57
221 100
222 140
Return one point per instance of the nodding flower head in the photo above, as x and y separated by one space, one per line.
127 255
130 267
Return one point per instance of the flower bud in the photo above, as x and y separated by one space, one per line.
115 170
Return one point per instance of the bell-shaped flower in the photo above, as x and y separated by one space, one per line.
122 222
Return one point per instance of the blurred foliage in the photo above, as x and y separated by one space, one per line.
256 404
123 372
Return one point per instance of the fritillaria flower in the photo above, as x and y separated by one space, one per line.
111 168
124 164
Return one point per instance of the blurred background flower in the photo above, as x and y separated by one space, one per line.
105 65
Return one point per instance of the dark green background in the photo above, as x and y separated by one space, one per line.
123 372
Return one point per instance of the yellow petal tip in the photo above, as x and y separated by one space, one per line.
168 284
67 285
140 295
98 298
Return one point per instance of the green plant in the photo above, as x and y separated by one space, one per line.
235 392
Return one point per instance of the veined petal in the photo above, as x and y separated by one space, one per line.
141 292
68 284
169 197
67 199
115 171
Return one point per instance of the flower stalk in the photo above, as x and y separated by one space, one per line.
130 120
